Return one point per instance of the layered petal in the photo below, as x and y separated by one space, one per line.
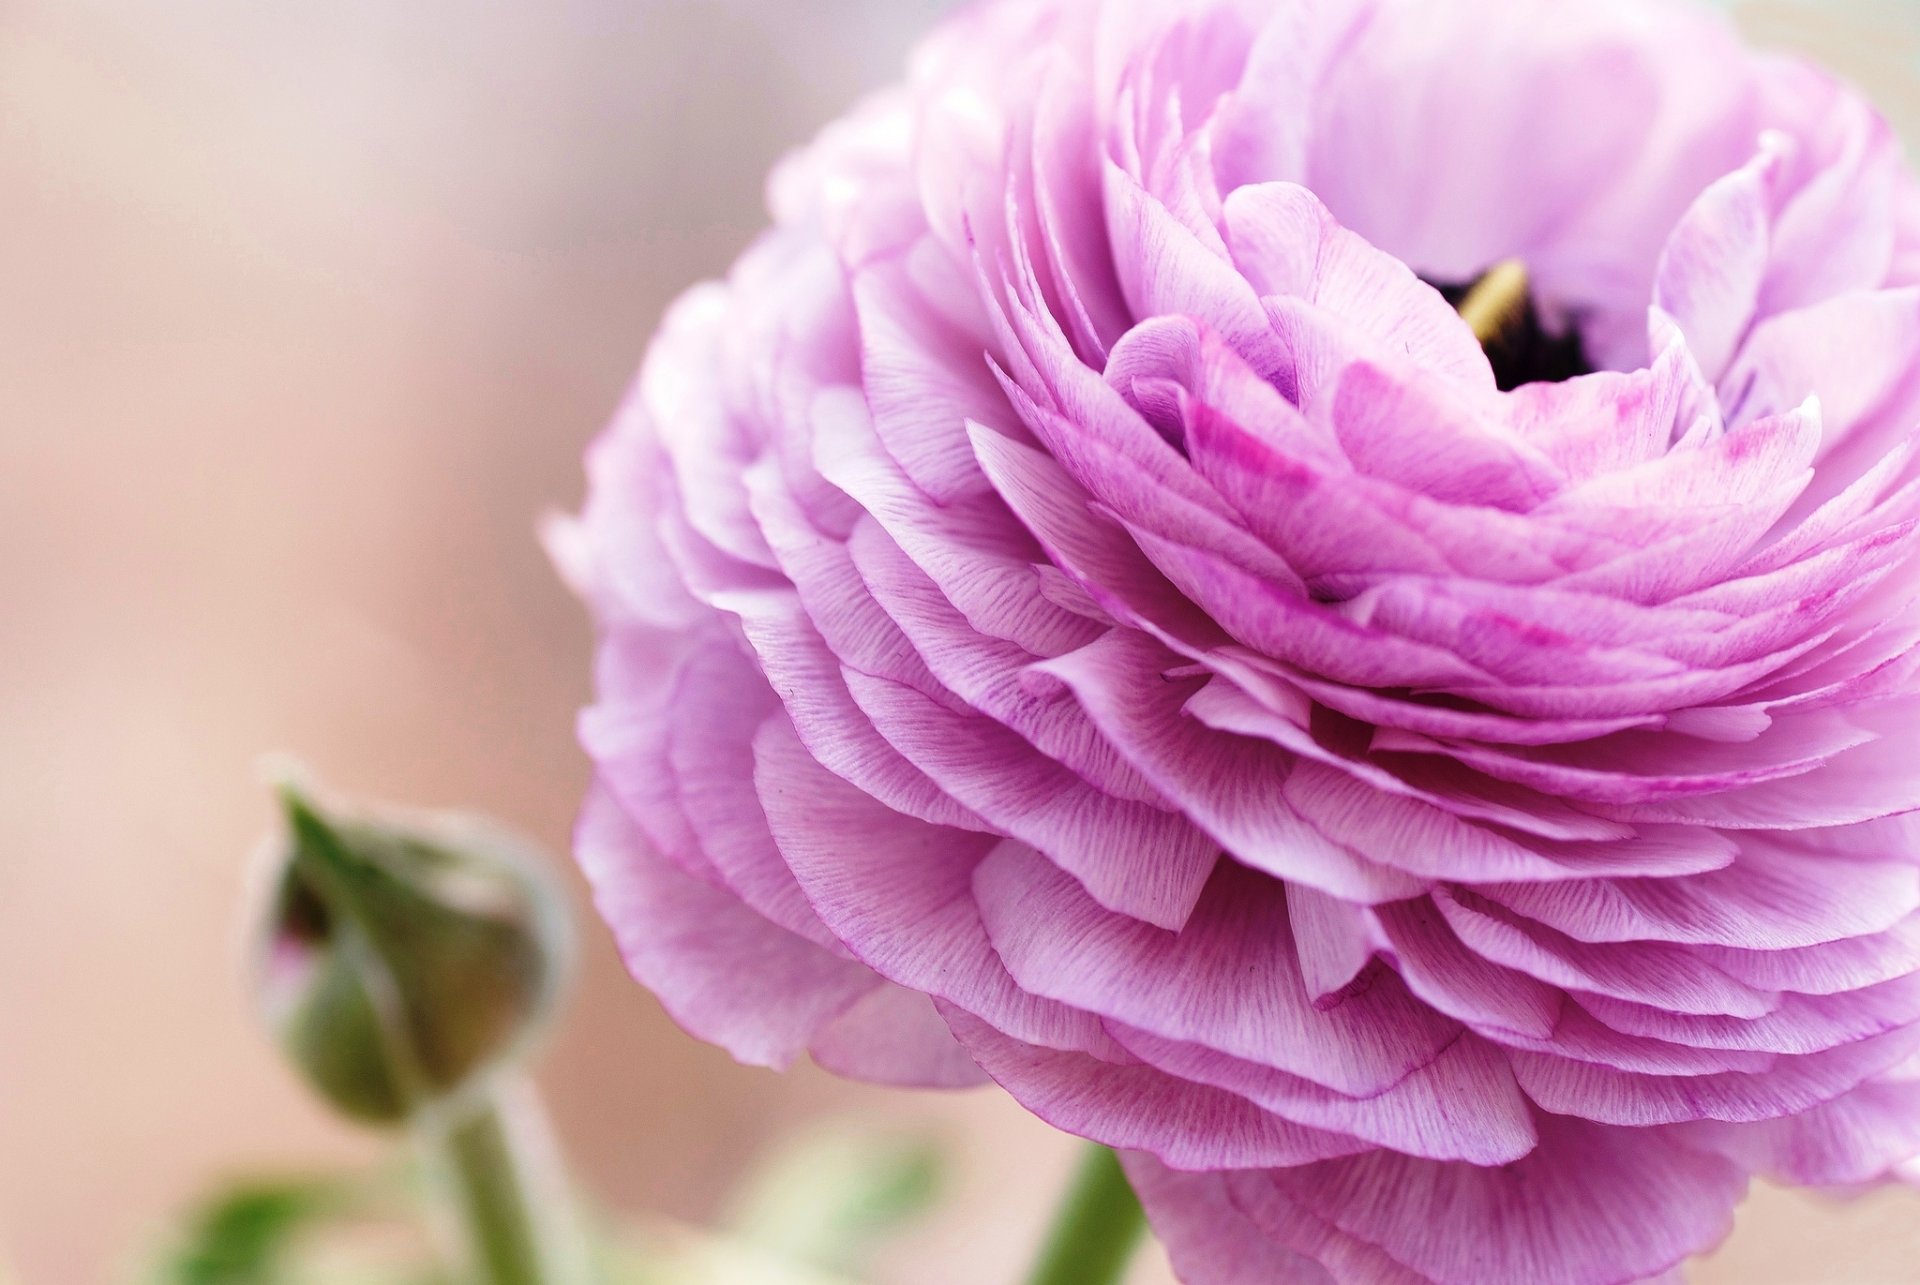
1081 606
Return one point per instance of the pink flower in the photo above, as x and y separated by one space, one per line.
1080 604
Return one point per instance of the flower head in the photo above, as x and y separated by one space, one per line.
1324 591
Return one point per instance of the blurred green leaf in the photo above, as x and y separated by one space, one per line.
248 1234
829 1198
664 1253
349 1229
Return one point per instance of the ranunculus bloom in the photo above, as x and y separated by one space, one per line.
1079 603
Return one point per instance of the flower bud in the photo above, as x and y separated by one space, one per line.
402 965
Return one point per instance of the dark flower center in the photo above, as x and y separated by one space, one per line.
1500 307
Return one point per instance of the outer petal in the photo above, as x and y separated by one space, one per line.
725 974
1591 1206
1210 1239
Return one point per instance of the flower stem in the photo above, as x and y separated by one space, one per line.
503 1200
1096 1228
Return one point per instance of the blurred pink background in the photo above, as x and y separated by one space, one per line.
306 312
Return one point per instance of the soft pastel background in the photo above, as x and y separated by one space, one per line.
306 311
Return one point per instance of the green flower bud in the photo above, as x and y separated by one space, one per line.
401 966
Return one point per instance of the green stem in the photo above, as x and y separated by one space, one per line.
1096 1228
502 1195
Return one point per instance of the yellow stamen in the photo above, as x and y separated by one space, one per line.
1496 301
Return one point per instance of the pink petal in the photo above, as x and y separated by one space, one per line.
1590 1206
724 973
1229 980
1131 1105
